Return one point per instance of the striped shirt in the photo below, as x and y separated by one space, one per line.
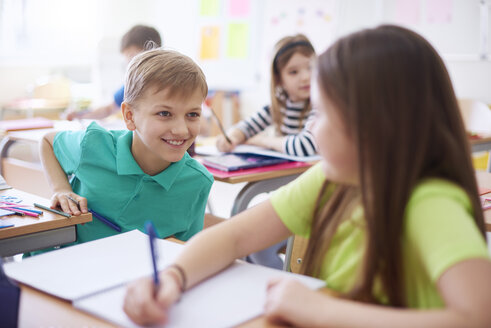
298 142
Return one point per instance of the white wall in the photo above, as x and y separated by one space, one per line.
178 23
457 43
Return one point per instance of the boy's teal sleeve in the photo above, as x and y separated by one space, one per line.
67 146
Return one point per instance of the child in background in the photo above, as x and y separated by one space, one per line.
392 212
132 43
145 173
290 107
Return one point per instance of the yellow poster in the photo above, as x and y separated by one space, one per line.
209 7
210 42
238 40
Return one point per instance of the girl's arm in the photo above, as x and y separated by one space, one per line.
246 129
204 255
300 144
465 289
268 142
58 180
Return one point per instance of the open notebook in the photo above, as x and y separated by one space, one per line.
249 149
94 276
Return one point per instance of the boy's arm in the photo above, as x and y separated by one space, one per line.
58 180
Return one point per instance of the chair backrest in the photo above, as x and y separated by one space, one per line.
476 116
298 251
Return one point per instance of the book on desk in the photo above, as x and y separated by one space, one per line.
94 275
247 157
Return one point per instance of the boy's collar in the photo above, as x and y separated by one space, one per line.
126 164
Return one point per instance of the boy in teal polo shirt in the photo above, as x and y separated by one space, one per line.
144 173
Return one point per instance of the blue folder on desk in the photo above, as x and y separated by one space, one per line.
234 162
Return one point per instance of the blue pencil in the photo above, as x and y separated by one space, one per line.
150 229
98 216
106 221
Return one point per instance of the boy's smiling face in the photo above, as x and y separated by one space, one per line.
164 127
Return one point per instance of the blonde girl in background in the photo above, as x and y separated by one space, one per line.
392 212
290 106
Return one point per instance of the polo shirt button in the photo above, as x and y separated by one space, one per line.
136 196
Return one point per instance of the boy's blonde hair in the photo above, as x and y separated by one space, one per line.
163 69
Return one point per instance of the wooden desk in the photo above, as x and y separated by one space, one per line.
30 233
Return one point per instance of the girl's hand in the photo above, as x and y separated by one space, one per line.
144 307
290 302
223 145
62 199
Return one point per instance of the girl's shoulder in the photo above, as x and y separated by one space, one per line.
438 188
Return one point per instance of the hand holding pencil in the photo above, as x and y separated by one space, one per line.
235 138
67 205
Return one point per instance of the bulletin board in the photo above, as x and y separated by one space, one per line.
228 39
453 27
236 37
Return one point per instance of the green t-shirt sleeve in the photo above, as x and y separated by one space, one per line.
67 146
295 202
441 229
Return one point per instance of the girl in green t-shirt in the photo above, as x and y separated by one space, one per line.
393 142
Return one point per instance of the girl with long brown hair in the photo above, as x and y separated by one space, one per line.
290 107
392 212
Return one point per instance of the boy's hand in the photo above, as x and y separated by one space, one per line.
62 199
144 306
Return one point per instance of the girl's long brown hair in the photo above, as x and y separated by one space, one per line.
396 99
280 60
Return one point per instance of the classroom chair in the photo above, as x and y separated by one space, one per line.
270 257
295 253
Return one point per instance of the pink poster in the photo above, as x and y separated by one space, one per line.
439 11
408 12
239 8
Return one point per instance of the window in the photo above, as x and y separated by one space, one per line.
47 31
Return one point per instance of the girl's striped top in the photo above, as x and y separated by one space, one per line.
299 140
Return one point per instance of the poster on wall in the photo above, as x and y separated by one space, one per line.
317 19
